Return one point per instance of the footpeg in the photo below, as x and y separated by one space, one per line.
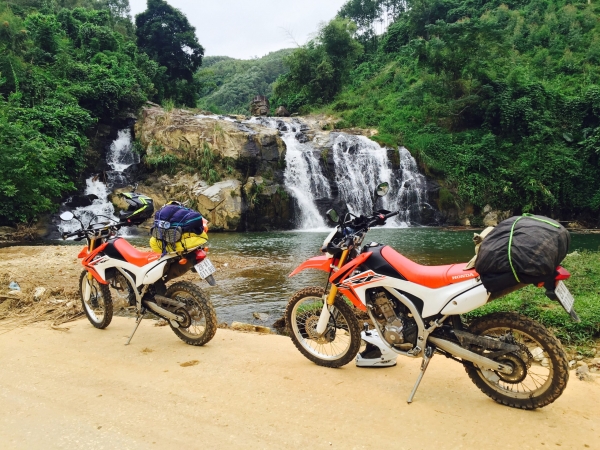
376 354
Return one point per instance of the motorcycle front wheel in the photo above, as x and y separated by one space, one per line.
95 300
201 318
340 342
540 367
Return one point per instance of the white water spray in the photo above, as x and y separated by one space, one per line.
119 157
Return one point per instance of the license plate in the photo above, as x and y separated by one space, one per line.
564 296
205 268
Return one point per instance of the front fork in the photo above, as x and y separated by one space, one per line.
330 300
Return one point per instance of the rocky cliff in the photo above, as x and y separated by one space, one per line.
232 172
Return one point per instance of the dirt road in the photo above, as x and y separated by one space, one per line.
85 389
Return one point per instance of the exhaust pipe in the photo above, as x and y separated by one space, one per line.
162 312
480 361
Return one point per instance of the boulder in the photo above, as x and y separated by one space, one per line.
260 106
239 326
220 203
186 136
301 137
282 112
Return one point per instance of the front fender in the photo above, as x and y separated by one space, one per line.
323 263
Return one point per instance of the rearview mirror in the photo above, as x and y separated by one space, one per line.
333 216
382 189
66 216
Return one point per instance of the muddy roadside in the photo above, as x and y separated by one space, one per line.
48 276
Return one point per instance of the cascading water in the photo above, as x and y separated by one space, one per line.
411 197
360 164
119 157
303 175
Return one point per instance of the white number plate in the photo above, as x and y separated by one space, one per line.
205 268
564 296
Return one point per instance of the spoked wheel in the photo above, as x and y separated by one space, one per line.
95 300
340 342
540 367
200 318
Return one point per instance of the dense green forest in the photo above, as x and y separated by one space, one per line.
499 100
228 85
66 65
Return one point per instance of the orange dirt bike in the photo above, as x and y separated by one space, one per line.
109 260
415 311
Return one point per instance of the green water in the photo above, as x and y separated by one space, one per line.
265 287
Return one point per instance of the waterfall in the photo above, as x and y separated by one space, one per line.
411 192
303 175
360 165
119 157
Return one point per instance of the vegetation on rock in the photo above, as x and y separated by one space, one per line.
64 66
497 99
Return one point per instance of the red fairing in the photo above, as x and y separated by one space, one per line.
318 262
347 269
86 263
563 274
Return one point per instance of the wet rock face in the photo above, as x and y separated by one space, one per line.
260 106
282 112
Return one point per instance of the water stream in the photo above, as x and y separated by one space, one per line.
119 157
360 164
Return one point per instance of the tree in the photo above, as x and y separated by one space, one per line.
164 33
318 71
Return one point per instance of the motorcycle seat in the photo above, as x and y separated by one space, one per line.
133 255
430 276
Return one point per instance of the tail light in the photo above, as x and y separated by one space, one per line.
563 274
200 255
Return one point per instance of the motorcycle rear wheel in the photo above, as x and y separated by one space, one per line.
340 342
541 368
203 324
95 300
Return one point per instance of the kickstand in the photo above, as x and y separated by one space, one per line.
427 355
137 324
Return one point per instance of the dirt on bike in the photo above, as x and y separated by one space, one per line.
415 311
141 277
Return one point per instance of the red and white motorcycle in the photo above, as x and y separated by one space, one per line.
415 311
109 260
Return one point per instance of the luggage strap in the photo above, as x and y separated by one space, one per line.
512 229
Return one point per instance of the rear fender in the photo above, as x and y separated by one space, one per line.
323 263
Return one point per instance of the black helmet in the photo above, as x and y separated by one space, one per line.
141 207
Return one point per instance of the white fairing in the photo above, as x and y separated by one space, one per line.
147 274
434 300
155 274
467 301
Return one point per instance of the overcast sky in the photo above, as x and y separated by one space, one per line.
248 28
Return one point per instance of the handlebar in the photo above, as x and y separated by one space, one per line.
83 233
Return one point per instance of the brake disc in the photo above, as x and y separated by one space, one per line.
311 329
